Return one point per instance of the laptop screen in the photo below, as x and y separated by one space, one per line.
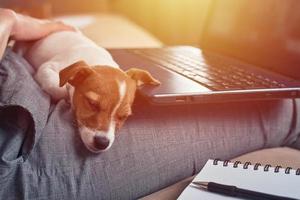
266 33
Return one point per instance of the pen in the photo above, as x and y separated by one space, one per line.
234 191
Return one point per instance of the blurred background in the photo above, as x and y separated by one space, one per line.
171 21
264 32
177 22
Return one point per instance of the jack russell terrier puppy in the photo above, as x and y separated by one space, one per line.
101 94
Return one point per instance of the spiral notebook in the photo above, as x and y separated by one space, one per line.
267 179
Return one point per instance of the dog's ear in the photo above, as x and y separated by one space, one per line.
141 77
74 74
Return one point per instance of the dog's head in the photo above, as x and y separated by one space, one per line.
102 100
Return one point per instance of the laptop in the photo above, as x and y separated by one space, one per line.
250 50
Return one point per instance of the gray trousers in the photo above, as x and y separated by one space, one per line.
43 157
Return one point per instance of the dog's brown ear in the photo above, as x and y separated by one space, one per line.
142 76
74 74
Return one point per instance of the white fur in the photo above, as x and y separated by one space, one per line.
88 135
58 51
122 92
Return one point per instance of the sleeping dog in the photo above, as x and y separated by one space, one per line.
69 65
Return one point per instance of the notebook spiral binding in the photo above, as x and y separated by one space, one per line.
256 165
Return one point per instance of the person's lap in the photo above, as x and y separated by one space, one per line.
157 146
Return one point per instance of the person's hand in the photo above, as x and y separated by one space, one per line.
24 28
28 28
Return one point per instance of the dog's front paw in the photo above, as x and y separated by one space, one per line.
55 92
48 79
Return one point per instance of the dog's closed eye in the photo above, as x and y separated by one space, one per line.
123 113
93 105
92 100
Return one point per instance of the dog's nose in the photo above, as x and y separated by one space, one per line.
101 142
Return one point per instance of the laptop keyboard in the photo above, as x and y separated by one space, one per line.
213 72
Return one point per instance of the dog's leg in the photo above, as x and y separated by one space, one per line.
48 78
